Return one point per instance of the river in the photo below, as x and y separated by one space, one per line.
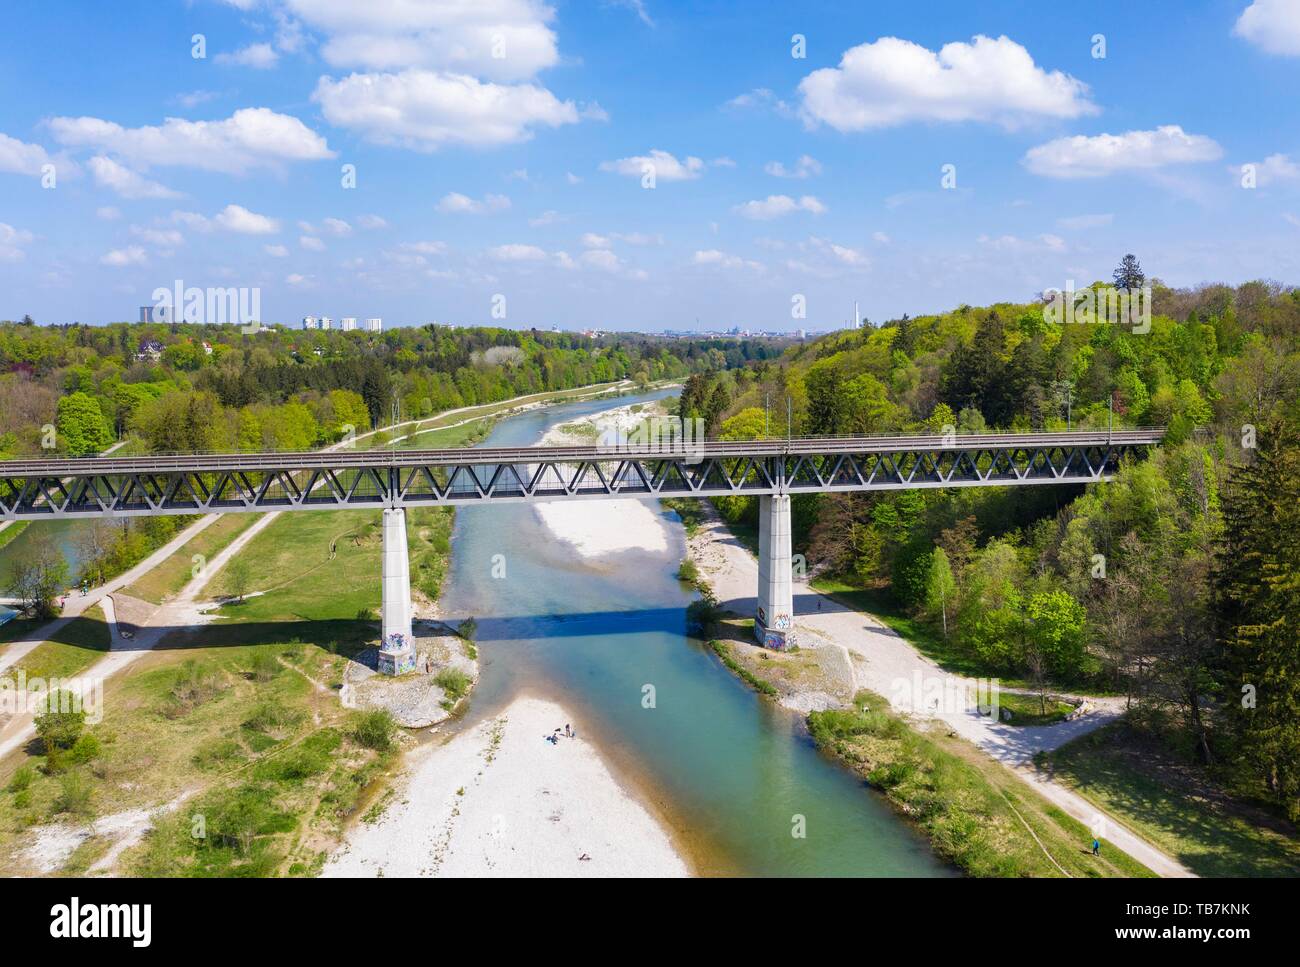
734 775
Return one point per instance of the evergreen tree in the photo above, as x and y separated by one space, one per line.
1258 585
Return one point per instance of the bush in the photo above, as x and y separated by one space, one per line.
23 777
702 616
688 572
265 666
375 729
454 682
74 794
84 749
60 725
367 614
468 629
196 683
269 717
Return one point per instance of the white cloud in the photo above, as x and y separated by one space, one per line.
665 166
1274 168
165 238
275 251
311 243
250 138
572 179
1103 154
123 257
713 256
236 218
12 241
371 222
517 253
1273 25
424 248
297 280
127 183
592 240
880 237
841 254
336 226
425 110
774 206
108 213
454 203
193 99
1081 222
1013 243
602 258
894 81
759 98
20 158
806 166
548 217
258 56
501 39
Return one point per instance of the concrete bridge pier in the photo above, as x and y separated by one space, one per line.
397 589
774 621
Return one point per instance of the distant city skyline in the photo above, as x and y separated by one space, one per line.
637 164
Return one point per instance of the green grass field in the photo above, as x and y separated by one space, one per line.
167 579
1175 805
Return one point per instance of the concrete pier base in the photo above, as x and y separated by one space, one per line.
774 620
397 648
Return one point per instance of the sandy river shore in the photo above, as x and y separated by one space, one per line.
500 800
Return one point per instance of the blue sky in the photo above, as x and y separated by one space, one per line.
501 149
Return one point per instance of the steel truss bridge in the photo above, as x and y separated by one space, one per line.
396 479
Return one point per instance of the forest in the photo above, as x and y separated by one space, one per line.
79 390
1176 584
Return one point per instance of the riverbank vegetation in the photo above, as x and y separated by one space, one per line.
974 811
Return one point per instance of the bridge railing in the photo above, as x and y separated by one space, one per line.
992 438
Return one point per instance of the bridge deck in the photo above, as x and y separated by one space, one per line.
382 457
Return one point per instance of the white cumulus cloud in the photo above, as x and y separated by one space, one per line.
123 257
805 167
501 39
665 166
774 206
1272 25
237 218
258 56
250 138
127 183
517 253
894 81
1082 156
454 203
426 110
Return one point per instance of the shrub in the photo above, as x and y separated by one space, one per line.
688 572
269 718
196 683
84 749
264 666
454 682
23 777
60 725
375 729
74 794
468 629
